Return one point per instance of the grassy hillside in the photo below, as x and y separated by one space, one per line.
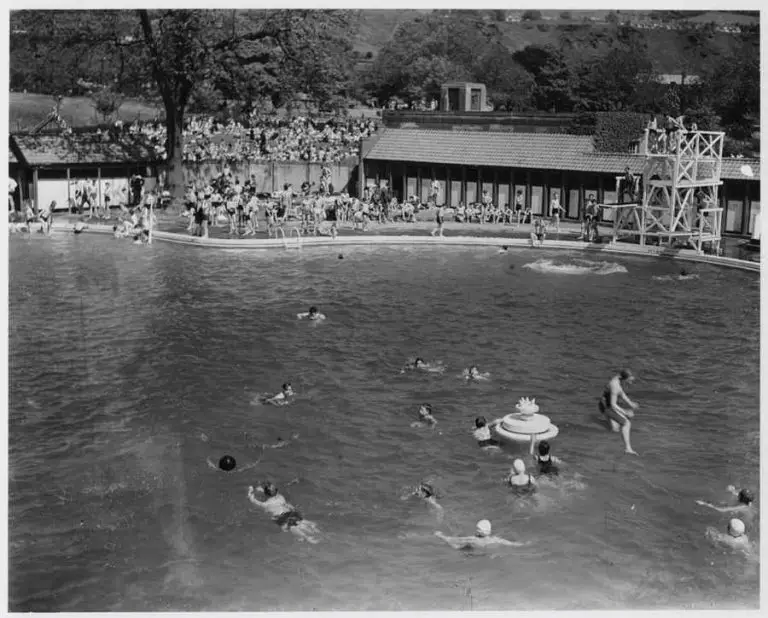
26 110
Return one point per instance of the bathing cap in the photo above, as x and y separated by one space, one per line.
270 490
227 463
543 447
745 496
483 528
286 386
480 421
736 527
518 466
625 374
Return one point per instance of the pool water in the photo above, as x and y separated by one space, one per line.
131 366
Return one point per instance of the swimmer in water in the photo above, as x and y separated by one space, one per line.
79 227
280 442
419 364
519 480
473 373
482 538
548 464
609 406
736 537
482 432
312 314
504 249
283 396
426 492
283 513
425 417
744 504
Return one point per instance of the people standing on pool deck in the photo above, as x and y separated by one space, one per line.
556 210
482 538
425 417
283 512
609 406
312 314
548 464
482 432
519 480
439 218
283 396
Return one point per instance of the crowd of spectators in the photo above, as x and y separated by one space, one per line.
261 139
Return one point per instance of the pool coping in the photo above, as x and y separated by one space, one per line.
295 242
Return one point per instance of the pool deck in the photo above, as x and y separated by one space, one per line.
172 230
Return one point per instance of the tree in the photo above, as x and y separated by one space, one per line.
552 76
107 102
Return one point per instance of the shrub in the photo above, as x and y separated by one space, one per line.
616 131
531 15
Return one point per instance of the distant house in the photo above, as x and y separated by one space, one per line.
46 164
678 78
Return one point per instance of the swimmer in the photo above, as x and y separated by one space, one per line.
312 314
522 482
473 373
419 364
482 538
736 537
609 406
283 396
280 442
426 492
504 249
79 227
548 464
283 513
425 417
482 432
744 505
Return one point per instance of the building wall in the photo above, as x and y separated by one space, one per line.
739 198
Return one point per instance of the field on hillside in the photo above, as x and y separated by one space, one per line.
26 110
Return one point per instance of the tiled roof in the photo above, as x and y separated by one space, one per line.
78 149
549 151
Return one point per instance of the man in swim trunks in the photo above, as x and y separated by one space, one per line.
609 406
283 513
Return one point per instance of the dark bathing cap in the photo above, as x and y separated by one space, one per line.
626 374
480 421
745 496
270 490
227 463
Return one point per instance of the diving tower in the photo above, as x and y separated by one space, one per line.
678 202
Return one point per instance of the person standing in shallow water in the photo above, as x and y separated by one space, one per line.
609 407
439 219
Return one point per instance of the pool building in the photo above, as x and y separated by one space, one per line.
468 153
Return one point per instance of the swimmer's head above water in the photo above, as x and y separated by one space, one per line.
425 410
474 371
683 272
483 528
543 448
312 311
480 422
419 362
746 497
626 376
270 491
518 467
736 528
287 389
425 490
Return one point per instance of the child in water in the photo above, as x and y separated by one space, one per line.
425 417
473 373
482 432
548 464
283 397
312 314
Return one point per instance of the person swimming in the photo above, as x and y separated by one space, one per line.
419 364
736 538
473 373
426 492
280 442
482 432
283 396
519 480
283 513
312 314
425 417
609 406
744 504
482 538
548 464
79 227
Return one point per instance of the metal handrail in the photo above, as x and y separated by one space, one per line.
298 236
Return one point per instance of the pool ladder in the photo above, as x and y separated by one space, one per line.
285 240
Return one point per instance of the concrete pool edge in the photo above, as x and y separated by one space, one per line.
294 242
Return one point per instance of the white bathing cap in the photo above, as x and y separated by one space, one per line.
519 466
736 527
483 528
747 171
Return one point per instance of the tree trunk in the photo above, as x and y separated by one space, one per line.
174 163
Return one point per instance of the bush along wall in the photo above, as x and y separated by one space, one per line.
617 131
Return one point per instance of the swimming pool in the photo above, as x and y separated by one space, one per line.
131 366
